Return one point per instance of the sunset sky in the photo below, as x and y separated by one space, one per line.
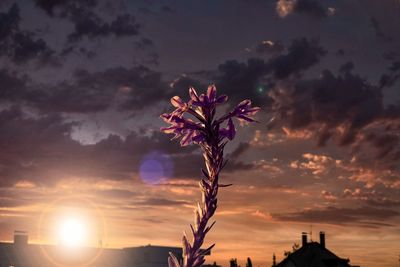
83 82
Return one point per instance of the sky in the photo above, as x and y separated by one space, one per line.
83 83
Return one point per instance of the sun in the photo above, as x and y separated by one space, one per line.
72 232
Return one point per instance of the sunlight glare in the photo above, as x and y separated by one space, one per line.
72 232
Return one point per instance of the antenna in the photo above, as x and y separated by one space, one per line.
311 233
273 260
100 244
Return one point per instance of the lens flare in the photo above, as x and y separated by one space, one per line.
72 232
155 168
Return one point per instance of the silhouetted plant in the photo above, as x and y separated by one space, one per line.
233 263
295 247
249 263
206 131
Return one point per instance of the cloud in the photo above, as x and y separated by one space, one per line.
336 105
40 151
88 24
87 92
138 87
362 216
389 79
384 203
285 7
311 8
49 6
269 48
162 202
13 85
21 46
316 164
242 80
328 195
378 30
349 110
239 150
253 79
302 54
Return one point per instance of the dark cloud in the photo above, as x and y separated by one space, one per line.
9 22
127 89
349 110
269 48
384 203
311 8
239 150
21 46
347 67
167 9
29 147
137 87
252 80
243 80
80 51
49 6
302 54
88 24
13 85
345 100
87 21
378 30
362 216
389 79
41 151
340 52
385 150
144 43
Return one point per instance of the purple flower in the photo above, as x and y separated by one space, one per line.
208 133
210 100
244 110
228 132
203 109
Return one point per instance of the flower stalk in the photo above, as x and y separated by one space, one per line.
208 133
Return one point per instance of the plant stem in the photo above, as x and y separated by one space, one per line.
213 157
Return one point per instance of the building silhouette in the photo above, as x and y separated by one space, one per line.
211 265
22 254
313 254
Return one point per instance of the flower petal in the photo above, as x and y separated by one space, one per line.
198 138
211 92
228 132
242 117
193 94
231 130
177 102
243 104
252 111
187 138
168 130
221 99
166 117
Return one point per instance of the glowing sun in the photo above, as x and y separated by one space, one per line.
72 232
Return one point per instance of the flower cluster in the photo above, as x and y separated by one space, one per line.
206 131
203 108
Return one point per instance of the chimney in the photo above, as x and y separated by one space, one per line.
303 239
273 260
20 237
322 239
